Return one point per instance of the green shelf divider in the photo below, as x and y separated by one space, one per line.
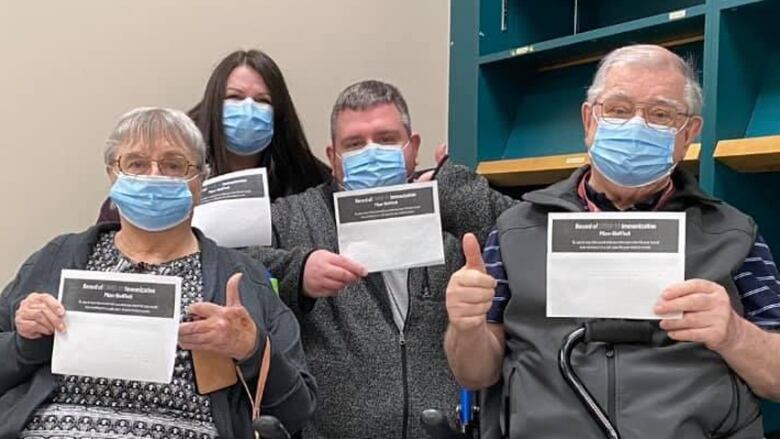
677 20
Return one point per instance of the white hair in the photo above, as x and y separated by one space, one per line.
149 125
648 55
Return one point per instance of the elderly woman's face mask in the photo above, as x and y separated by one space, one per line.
152 202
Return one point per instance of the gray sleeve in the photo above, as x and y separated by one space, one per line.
286 258
468 203
291 390
20 357
287 267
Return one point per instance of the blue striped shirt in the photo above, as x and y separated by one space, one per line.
757 280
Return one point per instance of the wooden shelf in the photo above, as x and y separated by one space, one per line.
753 154
549 169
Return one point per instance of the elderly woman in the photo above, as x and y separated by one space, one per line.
155 159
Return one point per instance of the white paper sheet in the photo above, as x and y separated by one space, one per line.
235 209
392 227
612 264
119 325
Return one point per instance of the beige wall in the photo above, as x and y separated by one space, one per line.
71 68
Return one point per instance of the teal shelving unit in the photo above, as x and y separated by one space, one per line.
519 70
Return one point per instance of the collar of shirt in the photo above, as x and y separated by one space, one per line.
595 201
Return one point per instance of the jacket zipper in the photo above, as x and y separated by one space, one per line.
611 385
404 368
402 342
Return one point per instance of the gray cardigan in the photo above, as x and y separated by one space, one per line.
374 382
26 380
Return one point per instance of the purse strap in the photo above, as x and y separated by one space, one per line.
262 377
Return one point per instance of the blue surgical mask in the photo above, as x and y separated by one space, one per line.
249 126
633 154
152 202
374 166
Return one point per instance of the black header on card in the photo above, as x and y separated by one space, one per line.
615 235
125 298
395 204
247 186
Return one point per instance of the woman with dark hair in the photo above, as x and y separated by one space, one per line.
248 120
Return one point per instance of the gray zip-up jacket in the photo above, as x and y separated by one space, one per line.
681 390
374 381
718 402
26 380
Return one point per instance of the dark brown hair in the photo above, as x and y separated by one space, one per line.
292 168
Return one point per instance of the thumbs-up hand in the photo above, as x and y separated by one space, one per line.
471 290
227 330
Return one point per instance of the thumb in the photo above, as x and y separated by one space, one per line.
232 296
473 253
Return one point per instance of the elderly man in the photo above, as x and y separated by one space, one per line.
373 342
641 114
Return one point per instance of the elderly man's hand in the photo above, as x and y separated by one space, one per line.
471 290
327 273
708 316
227 330
39 315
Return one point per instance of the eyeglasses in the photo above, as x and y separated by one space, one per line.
174 166
618 111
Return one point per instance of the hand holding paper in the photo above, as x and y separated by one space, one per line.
227 330
391 227
612 265
707 314
39 315
119 325
326 274
471 290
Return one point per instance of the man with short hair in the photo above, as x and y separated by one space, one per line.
640 116
372 341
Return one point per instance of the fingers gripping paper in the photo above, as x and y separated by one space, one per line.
612 265
119 325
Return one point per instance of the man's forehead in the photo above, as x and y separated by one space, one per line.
641 83
382 117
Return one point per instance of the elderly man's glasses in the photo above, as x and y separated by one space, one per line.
174 166
618 111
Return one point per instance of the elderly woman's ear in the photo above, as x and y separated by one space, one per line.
110 173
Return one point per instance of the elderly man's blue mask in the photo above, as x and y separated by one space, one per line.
633 154
152 202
